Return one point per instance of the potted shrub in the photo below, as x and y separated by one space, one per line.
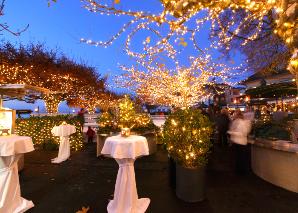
186 135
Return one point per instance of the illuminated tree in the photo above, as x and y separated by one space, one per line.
183 19
36 66
268 52
125 115
52 102
179 86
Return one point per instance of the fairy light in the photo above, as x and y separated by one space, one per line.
78 84
186 135
181 86
177 15
39 129
125 116
52 102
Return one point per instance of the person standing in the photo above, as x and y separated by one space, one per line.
223 123
90 134
238 131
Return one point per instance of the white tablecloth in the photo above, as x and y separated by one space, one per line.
11 148
63 131
125 150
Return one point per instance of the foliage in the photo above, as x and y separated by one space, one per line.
106 123
34 64
149 127
265 53
50 145
272 130
39 129
125 115
186 134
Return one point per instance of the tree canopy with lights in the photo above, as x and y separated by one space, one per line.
265 31
79 84
232 23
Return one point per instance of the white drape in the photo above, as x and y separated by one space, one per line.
125 150
11 149
10 193
125 195
64 131
64 150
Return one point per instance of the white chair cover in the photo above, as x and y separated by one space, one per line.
63 131
10 194
125 150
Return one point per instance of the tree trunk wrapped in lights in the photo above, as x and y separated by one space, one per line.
52 102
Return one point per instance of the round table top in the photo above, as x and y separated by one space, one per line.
15 144
125 147
63 130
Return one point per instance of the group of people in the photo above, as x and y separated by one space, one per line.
233 129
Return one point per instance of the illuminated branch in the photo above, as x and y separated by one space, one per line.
178 16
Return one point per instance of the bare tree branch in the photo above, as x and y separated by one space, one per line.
5 27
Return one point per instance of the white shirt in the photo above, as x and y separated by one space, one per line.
239 130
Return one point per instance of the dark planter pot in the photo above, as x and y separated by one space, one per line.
172 172
190 183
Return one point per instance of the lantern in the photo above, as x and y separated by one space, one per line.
125 132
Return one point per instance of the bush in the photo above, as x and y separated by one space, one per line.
39 129
125 115
50 145
272 130
186 135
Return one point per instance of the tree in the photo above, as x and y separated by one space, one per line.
265 53
182 86
37 66
247 18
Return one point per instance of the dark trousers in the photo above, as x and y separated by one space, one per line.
90 139
242 159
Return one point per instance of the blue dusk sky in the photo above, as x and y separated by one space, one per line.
64 23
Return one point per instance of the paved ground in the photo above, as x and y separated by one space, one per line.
89 181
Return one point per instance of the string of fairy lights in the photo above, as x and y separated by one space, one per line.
39 129
125 116
155 81
185 86
177 15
